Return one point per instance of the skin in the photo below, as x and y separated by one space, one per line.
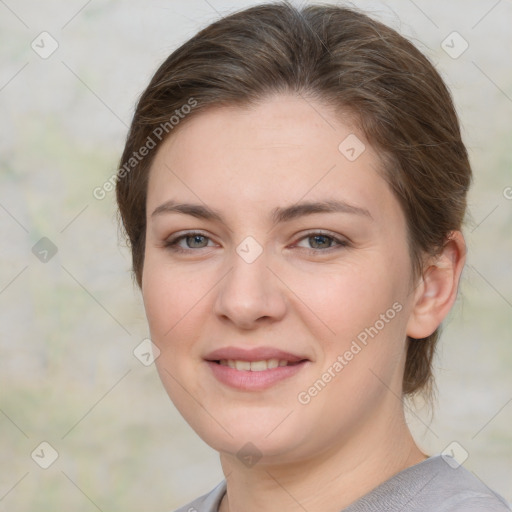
296 296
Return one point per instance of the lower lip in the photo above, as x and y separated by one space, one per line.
253 381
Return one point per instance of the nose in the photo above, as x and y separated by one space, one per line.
250 294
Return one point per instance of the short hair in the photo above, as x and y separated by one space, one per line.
346 60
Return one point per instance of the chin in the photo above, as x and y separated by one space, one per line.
250 439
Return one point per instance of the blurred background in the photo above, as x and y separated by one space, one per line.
70 317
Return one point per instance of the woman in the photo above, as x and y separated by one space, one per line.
293 187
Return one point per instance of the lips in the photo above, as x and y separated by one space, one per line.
254 366
253 369
253 355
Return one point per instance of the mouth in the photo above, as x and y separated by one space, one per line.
257 366
254 369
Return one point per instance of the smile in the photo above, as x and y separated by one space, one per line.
254 366
254 369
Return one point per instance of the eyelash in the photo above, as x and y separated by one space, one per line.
172 244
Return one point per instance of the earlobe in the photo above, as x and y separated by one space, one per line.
437 290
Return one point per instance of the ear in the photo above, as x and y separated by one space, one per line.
437 290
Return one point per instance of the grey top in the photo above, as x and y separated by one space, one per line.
437 484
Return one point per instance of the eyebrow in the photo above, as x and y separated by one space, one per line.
278 215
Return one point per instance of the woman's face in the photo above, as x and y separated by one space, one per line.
277 279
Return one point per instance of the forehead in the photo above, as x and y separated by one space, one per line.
282 150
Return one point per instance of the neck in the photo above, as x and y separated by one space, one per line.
327 482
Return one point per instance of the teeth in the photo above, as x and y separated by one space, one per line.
253 366
242 365
258 366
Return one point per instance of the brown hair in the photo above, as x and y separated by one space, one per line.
344 59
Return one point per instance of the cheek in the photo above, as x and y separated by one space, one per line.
346 299
359 316
171 299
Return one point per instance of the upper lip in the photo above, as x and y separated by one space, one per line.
252 354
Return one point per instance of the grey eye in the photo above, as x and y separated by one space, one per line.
196 241
320 241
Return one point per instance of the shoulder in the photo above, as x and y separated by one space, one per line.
476 502
208 502
438 483
452 488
